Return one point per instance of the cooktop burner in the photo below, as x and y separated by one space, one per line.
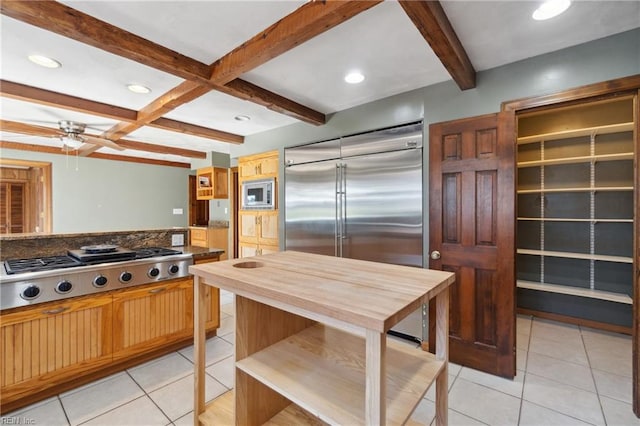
17 266
145 252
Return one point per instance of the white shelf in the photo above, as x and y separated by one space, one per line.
561 219
322 370
576 160
586 131
583 189
570 255
576 291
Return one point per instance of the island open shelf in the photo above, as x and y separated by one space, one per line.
310 340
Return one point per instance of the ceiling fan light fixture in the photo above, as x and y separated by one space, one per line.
354 77
44 61
71 141
550 9
138 88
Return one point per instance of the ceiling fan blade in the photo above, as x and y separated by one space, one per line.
29 129
101 141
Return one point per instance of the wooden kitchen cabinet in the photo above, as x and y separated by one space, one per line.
258 166
52 343
258 232
212 183
210 238
148 316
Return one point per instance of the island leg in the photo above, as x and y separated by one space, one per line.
199 342
375 391
442 353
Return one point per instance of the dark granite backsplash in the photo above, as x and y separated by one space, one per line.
37 245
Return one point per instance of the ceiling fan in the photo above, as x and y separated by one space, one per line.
74 136
70 133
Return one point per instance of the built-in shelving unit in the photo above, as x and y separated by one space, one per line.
576 200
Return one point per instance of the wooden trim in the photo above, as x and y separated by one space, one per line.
636 263
575 321
58 151
308 21
605 88
432 22
195 130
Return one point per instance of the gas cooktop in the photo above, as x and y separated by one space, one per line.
82 258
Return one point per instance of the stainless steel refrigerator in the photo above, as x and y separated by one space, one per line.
359 197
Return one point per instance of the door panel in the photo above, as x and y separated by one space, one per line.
310 197
383 204
472 225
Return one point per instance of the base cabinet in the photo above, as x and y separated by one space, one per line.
150 316
57 346
46 345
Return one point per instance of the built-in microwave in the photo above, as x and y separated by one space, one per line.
259 194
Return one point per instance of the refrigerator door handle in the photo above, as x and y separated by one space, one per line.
343 204
337 228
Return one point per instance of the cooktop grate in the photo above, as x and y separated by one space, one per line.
15 266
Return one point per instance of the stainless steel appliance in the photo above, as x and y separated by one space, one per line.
80 272
258 194
359 197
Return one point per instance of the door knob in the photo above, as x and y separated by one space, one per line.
435 255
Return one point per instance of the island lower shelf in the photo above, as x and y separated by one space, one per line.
322 370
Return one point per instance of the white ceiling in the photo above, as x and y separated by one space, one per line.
381 42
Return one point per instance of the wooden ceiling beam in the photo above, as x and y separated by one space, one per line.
53 99
32 130
430 19
58 151
309 20
61 19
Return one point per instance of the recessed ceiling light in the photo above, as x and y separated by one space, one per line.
354 77
550 8
242 117
43 61
138 88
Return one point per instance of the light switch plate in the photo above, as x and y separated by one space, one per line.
177 240
177 211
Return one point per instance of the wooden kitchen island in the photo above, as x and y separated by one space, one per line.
311 340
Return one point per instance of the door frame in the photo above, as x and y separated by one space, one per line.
590 92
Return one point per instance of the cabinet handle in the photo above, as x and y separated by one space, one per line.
259 218
56 310
157 290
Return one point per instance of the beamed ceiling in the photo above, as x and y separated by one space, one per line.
277 62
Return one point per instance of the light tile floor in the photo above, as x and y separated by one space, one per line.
567 375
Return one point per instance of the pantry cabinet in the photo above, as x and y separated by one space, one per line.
258 166
258 232
258 229
576 209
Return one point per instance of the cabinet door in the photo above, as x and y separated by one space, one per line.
152 316
247 169
199 237
268 166
267 249
53 342
248 226
268 227
247 249
212 294
219 238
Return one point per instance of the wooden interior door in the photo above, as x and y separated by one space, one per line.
472 233
198 209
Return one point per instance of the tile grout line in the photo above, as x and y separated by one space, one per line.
595 383
526 366
149 396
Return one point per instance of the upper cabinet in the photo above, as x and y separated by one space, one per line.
213 182
259 166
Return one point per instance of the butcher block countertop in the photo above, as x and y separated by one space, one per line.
311 335
370 295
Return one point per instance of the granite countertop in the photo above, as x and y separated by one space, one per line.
40 235
197 251
213 224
